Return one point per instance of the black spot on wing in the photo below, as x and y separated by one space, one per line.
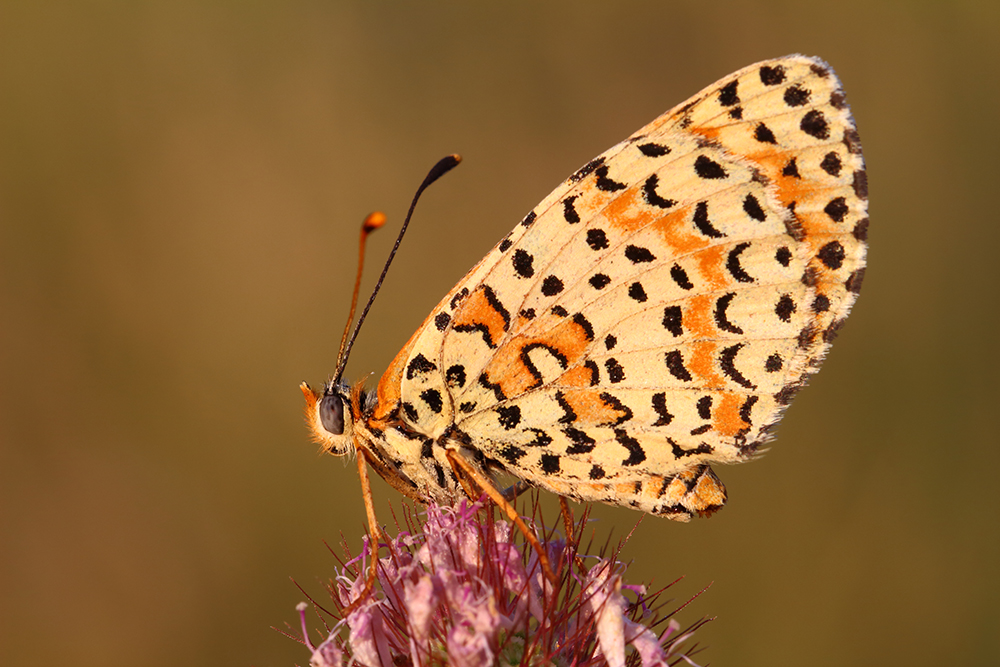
702 222
616 373
529 219
727 362
550 464
651 196
597 239
728 95
853 282
660 407
791 169
796 96
509 416
814 124
599 280
455 375
673 320
704 406
721 319
638 254
820 69
837 209
753 208
783 256
551 286
772 76
605 183
419 365
653 150
542 439
785 308
569 414
636 292
764 135
569 211
675 364
432 398
636 454
512 454
860 184
746 408
733 264
860 231
831 164
708 168
810 276
680 277
441 321
832 255
774 363
523 263
582 443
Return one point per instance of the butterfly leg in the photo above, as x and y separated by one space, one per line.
462 467
511 493
466 484
373 534
568 526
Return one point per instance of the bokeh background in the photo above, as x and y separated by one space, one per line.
180 189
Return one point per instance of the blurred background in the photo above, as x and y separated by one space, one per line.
181 185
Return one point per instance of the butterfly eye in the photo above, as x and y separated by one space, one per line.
331 414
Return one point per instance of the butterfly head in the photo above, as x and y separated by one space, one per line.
330 417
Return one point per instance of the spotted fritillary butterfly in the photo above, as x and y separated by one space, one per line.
652 316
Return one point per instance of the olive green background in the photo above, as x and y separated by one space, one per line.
180 190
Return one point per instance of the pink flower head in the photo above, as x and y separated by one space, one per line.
459 588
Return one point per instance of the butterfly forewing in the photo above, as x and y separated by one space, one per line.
659 309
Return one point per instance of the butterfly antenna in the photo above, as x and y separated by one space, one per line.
371 223
443 166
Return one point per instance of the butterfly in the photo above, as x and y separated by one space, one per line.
653 316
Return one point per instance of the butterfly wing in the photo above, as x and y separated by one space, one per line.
657 312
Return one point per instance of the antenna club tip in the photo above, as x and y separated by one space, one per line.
443 166
374 220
